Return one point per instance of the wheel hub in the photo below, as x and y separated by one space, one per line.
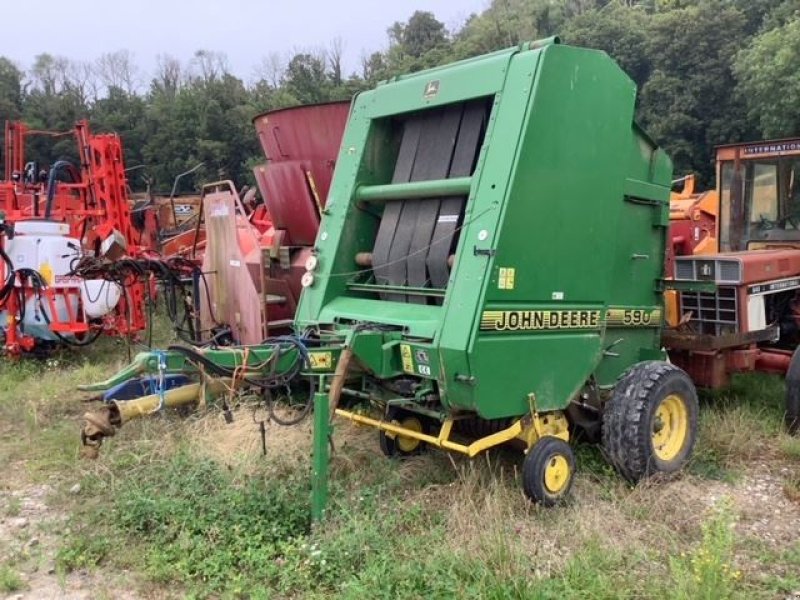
556 474
670 427
409 444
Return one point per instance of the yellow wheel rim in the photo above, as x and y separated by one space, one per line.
407 444
670 427
556 474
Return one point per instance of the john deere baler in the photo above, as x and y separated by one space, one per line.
489 269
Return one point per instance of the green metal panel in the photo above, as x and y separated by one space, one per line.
560 255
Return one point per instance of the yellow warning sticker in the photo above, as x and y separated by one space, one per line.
47 273
320 360
505 280
405 356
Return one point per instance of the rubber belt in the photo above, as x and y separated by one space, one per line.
438 167
451 210
391 211
424 167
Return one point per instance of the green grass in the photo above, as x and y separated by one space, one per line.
434 526
13 507
791 447
708 572
739 425
10 581
220 532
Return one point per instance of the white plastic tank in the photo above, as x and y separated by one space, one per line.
45 247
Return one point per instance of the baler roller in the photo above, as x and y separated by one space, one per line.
416 190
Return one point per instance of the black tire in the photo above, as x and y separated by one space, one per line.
397 446
548 454
792 415
633 420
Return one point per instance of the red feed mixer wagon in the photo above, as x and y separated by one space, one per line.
255 255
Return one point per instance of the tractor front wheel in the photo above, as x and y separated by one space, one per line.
792 416
650 421
393 445
548 471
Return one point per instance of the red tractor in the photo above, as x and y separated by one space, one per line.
739 309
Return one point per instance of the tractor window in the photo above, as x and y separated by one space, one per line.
790 190
761 193
770 211
726 181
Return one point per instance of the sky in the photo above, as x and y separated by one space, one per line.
245 30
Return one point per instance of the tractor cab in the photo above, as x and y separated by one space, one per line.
759 195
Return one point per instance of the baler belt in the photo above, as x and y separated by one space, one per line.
391 212
415 237
444 134
427 163
451 212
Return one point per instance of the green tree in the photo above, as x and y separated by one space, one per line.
619 30
10 90
421 34
306 78
769 80
124 114
689 102
419 43
54 103
206 120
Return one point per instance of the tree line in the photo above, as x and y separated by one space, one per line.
709 72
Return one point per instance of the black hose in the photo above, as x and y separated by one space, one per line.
172 274
272 380
51 182
8 285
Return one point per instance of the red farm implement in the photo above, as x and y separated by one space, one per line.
52 216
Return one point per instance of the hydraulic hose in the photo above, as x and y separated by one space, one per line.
51 182
271 381
8 285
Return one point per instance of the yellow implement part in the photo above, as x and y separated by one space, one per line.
443 439
556 474
554 424
670 427
105 421
147 405
407 445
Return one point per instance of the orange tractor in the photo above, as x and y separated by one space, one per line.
739 309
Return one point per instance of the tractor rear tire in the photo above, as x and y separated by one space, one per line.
548 471
650 421
397 446
792 415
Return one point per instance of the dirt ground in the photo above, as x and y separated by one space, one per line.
30 534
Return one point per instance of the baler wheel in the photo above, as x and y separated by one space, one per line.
650 422
792 416
548 471
398 445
